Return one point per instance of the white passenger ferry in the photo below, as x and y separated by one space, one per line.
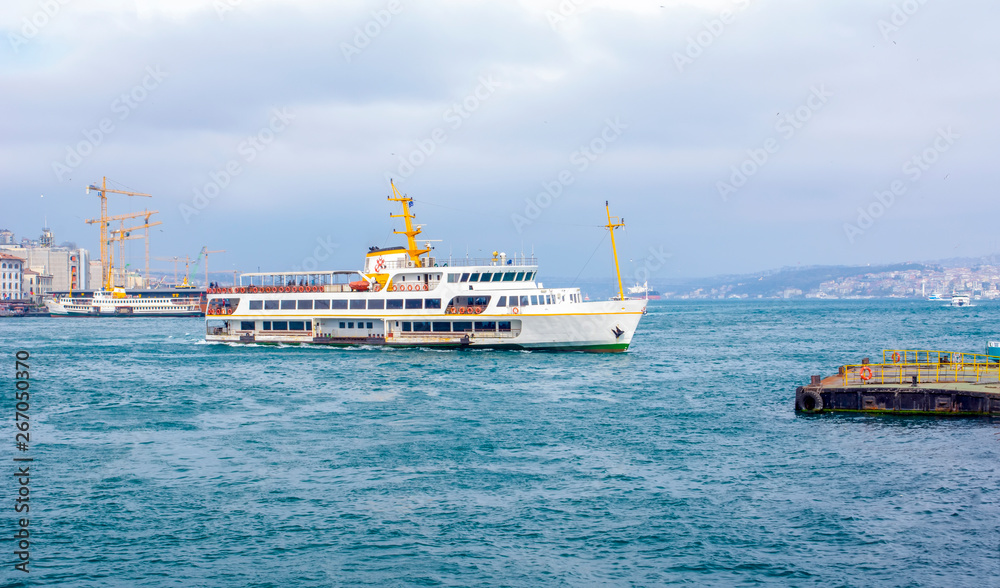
405 297
120 302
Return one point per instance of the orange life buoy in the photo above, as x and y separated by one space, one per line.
253 290
479 310
425 287
895 357
866 373
461 310
515 310
376 287
211 291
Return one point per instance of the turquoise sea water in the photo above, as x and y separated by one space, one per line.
163 461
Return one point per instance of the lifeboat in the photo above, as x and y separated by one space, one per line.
359 286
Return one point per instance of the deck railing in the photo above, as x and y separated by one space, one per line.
901 366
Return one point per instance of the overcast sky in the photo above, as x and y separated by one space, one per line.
731 135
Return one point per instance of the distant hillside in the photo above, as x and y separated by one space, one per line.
773 283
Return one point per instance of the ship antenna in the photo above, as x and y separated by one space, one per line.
619 223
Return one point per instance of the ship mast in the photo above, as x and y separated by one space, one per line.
611 226
411 234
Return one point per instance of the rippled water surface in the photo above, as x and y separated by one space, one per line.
163 461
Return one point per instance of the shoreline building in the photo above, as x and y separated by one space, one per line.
11 274
65 268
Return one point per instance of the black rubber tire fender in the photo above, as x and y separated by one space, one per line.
811 401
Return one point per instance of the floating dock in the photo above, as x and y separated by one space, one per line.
910 382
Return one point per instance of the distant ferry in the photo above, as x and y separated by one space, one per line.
404 297
120 302
959 300
935 296
642 292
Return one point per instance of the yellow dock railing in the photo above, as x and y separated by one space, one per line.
899 366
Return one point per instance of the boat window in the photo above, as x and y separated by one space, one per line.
296 326
343 324
305 304
256 304
321 304
357 304
534 300
338 304
473 278
287 305
414 303
441 327
407 326
452 278
486 326
379 304
279 325
270 305
520 277
421 326
394 304
502 302
369 325
509 276
432 303
350 325
524 301
309 325
267 325
246 325
504 326
461 326
529 276
465 278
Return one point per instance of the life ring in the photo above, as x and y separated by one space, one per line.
811 401
515 310
409 287
253 290
211 290
375 288
895 357
866 373
425 287
479 310
461 310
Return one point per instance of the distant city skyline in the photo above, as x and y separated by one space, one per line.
730 141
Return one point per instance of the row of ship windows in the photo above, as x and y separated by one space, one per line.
378 304
454 326
492 277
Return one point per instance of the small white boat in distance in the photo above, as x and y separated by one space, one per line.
959 300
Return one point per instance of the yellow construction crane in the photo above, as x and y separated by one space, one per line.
102 193
176 259
107 251
205 251
121 235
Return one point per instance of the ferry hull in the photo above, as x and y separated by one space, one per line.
588 326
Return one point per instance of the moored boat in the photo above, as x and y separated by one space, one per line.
119 302
406 297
